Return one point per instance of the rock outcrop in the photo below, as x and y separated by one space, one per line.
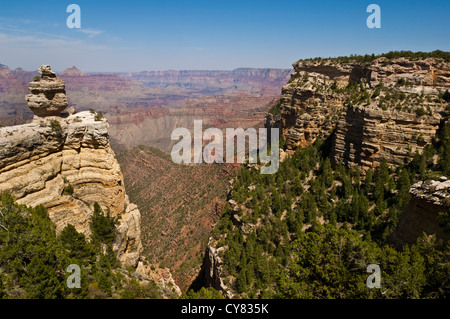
48 94
66 164
212 272
162 276
386 108
421 215
435 192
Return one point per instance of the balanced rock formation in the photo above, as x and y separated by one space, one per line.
48 94
67 164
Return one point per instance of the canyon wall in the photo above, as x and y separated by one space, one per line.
385 108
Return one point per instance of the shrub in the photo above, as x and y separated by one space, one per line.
446 96
98 116
401 81
420 111
68 190
55 125
275 109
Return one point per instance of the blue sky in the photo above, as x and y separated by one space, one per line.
131 35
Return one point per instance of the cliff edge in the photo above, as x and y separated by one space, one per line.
64 162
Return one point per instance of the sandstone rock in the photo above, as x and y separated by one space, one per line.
162 276
317 101
48 94
46 70
436 192
365 135
233 206
71 110
213 271
38 161
429 199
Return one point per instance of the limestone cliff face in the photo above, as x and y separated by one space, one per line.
366 134
386 108
39 160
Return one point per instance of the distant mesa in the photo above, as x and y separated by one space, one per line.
73 71
48 94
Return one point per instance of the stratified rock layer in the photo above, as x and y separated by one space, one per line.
366 135
39 160
386 108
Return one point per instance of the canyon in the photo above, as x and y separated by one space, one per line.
385 108
367 111
118 134
144 107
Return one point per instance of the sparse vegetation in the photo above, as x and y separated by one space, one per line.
401 81
55 125
68 190
390 55
275 109
98 116
420 111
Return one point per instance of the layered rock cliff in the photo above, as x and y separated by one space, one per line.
64 162
384 108
39 161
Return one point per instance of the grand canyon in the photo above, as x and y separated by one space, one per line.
363 178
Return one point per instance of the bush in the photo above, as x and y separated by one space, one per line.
98 116
275 109
55 125
401 81
68 190
446 96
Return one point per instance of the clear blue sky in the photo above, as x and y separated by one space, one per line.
131 35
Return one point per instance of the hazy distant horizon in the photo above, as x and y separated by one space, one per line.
168 70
